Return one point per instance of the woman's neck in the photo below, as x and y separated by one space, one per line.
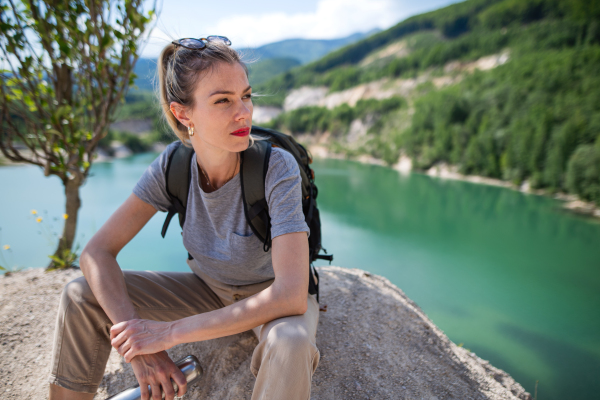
217 166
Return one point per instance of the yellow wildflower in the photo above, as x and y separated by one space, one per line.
65 216
6 247
34 212
38 220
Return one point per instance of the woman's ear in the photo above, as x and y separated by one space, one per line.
180 113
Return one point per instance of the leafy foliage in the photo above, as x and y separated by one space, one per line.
583 172
65 67
64 259
337 120
523 120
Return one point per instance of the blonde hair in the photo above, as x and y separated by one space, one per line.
179 71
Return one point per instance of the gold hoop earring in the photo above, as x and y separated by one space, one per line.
191 130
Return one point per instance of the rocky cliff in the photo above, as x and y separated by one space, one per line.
375 344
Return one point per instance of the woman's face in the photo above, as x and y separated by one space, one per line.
222 113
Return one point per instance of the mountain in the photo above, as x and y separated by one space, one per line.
263 70
276 58
506 89
303 50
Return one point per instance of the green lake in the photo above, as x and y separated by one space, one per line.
511 276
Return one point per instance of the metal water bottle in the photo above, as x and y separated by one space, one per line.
190 366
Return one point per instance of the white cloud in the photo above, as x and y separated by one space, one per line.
157 40
331 19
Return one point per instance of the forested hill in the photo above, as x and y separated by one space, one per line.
271 59
304 50
279 57
507 89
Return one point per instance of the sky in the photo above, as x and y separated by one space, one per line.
258 22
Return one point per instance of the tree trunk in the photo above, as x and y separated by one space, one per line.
65 243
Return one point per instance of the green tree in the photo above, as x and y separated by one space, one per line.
65 66
583 172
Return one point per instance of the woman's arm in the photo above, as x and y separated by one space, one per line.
99 265
99 258
286 296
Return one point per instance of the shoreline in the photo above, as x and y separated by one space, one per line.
571 202
120 151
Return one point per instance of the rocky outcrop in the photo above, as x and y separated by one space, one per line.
375 344
385 88
263 114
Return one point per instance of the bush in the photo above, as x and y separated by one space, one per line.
306 119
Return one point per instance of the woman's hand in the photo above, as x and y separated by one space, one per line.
140 336
156 371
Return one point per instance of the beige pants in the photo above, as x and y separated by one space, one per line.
283 362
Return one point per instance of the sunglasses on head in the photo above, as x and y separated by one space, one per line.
199 44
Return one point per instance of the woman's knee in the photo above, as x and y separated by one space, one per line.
292 339
80 309
77 291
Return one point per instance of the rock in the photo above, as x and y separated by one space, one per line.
375 343
525 187
386 88
264 114
447 171
404 164
120 150
582 207
366 159
303 97
358 130
102 156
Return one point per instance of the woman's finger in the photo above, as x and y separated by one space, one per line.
167 387
156 393
144 391
118 340
122 349
128 355
117 328
179 379
132 351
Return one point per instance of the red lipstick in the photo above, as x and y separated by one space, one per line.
241 132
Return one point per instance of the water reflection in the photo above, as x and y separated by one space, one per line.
568 363
477 259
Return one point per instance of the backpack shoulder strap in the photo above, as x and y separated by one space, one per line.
253 171
178 183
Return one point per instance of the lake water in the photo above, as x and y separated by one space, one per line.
511 276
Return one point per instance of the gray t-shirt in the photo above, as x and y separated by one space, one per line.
216 233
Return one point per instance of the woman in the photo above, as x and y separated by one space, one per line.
235 286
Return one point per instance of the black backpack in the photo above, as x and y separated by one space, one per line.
254 163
